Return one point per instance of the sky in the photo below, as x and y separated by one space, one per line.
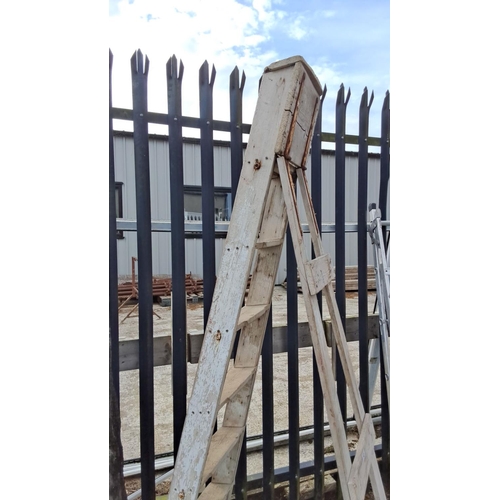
343 41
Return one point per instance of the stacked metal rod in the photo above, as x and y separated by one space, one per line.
161 287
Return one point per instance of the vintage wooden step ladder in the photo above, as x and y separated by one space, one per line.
265 202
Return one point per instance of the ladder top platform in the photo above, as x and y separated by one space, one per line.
291 61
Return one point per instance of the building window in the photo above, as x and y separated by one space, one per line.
192 203
119 206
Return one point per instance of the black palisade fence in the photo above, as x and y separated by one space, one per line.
140 68
141 118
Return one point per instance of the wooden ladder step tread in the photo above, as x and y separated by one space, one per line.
251 313
216 491
223 441
268 243
236 378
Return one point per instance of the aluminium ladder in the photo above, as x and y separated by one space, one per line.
274 161
382 276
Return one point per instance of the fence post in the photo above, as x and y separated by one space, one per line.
116 484
293 367
384 182
268 410
340 128
236 134
364 111
207 186
113 253
318 409
140 67
179 322
236 122
384 157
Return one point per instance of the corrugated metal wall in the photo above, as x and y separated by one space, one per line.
160 201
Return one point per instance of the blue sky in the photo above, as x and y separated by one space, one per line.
344 42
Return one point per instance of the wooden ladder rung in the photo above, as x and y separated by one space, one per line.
223 441
236 378
268 243
251 313
216 491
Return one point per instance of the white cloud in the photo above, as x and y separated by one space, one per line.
296 30
326 13
249 34
229 35
266 14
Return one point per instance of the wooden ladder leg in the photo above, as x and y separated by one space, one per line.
355 397
317 332
269 246
317 275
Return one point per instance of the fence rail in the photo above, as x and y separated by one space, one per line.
223 126
181 348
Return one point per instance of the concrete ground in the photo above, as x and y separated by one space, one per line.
129 384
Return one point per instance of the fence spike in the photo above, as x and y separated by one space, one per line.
340 95
110 59
364 98
204 79
203 73
323 94
234 79
212 76
385 132
172 73
139 63
134 62
169 68
386 106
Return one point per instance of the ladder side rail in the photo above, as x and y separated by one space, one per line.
264 274
381 276
252 335
378 242
339 333
384 274
373 366
374 345
357 405
318 338
309 211
334 315
384 331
